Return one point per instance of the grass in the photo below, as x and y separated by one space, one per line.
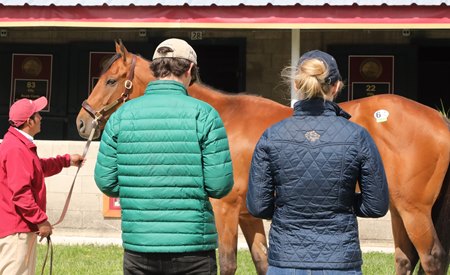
82 259
107 260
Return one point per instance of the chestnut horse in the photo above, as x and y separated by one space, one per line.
414 144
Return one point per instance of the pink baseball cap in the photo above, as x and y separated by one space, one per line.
24 108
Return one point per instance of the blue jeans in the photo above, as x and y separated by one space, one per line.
201 262
273 270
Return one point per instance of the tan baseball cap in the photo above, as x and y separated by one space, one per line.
180 49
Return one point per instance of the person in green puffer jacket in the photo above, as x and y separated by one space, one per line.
164 154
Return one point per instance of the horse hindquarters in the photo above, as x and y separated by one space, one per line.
441 218
419 224
441 221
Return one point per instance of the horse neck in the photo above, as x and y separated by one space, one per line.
204 93
142 77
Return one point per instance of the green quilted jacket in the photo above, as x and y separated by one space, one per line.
164 154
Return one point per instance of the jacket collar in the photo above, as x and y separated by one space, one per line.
21 137
165 87
317 107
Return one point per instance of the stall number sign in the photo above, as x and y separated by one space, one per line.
196 35
369 89
370 75
31 77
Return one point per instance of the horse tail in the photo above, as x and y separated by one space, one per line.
441 214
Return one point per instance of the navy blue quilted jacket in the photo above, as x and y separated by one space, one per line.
303 177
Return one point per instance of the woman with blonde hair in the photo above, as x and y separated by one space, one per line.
304 173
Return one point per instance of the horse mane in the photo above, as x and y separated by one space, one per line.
213 90
109 63
446 119
210 94
225 102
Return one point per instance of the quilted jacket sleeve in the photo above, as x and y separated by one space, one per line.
217 168
373 201
105 173
260 194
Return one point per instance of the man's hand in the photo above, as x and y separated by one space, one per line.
44 229
76 160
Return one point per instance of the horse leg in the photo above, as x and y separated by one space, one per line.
421 232
227 217
406 256
253 230
416 214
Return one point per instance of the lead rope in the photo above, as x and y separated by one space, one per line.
66 205
97 115
86 148
49 247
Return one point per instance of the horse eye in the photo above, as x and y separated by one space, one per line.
111 82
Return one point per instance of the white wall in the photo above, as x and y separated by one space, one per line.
84 216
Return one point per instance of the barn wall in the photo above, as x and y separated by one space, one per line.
267 51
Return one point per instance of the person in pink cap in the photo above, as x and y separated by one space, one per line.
22 188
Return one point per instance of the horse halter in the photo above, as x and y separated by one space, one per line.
97 115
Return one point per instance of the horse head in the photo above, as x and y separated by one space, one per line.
124 77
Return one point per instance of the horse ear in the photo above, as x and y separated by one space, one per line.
120 49
118 42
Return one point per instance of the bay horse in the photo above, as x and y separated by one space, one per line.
414 144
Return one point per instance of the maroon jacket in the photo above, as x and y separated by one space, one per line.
22 187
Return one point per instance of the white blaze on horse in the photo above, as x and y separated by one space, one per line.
414 143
